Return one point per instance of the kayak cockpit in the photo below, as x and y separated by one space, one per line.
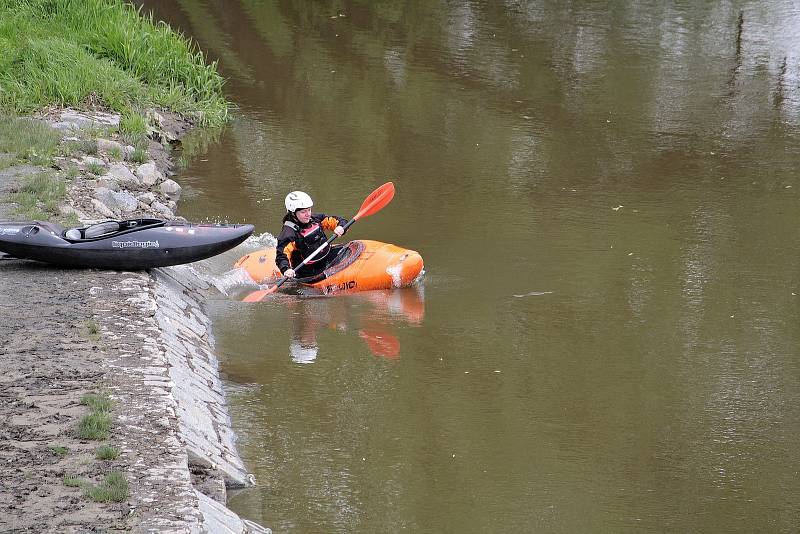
107 229
345 255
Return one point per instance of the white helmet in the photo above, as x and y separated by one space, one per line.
297 200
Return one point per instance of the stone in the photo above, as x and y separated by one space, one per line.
125 201
66 209
91 160
124 175
171 189
71 120
162 210
104 195
146 198
116 201
101 208
108 182
149 175
104 146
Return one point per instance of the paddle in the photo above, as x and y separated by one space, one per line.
376 201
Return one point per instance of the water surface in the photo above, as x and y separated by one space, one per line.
606 198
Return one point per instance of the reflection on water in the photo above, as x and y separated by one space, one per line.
378 311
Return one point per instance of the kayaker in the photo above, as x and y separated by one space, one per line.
302 233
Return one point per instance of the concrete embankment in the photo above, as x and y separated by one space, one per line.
145 339
160 341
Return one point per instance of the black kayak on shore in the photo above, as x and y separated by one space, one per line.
123 245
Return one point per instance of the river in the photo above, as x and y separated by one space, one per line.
605 195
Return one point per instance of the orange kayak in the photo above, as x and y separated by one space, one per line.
362 266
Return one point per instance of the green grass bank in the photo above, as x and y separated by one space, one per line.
102 53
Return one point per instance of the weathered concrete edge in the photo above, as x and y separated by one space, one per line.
173 429
203 421
205 425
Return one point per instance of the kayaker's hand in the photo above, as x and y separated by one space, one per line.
289 273
338 231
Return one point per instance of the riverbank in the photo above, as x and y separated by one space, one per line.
140 338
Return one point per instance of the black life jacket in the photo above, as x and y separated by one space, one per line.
309 239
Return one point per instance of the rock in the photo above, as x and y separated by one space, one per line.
59 163
104 146
74 120
149 175
162 210
127 151
109 182
91 160
126 202
171 189
101 208
66 209
146 198
123 175
104 195
121 201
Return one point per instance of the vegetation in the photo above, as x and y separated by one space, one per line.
102 52
23 139
59 450
96 425
95 168
93 330
107 452
113 488
133 124
139 155
98 402
39 196
72 481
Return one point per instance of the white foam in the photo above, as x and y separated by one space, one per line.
256 242
534 294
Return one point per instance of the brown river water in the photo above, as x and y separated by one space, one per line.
605 194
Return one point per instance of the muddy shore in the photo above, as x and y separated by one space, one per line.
67 333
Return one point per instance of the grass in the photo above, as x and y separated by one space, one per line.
107 452
72 481
70 220
87 146
107 53
139 156
39 196
59 451
27 140
96 169
133 124
93 330
113 488
98 402
96 425
6 161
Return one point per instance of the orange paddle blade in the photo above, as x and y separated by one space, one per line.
258 296
381 344
376 200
